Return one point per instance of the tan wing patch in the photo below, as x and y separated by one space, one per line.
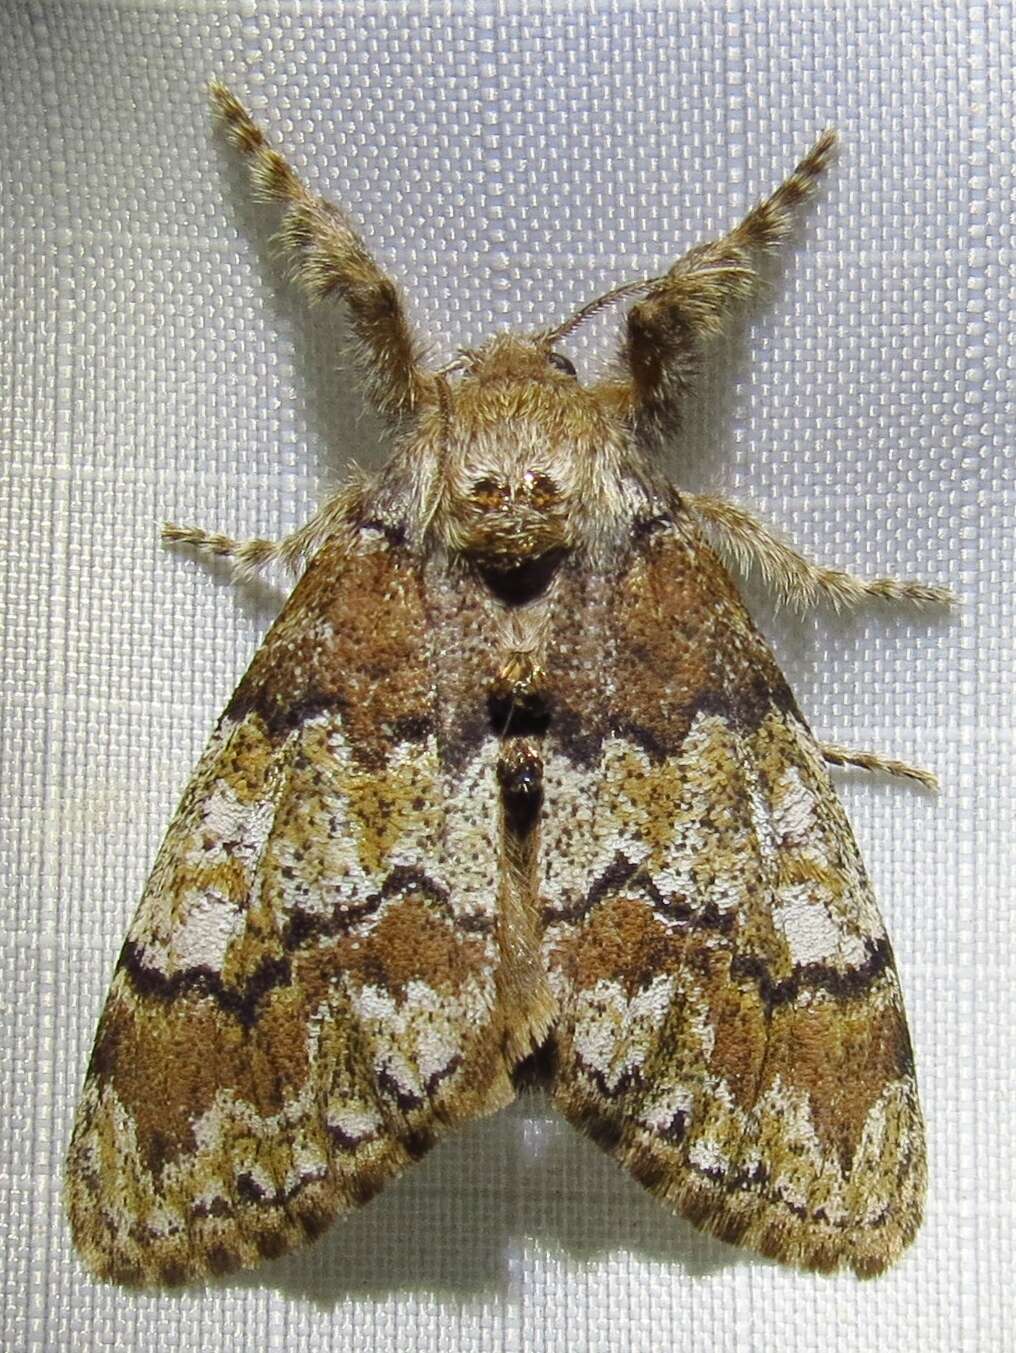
310 990
732 1027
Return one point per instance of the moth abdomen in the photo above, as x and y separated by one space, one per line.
520 777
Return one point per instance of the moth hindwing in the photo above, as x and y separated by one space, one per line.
513 790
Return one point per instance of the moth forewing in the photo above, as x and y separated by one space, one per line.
513 788
730 1023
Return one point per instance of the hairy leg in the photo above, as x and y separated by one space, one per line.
330 259
661 352
794 579
250 556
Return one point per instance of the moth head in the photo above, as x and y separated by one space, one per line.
537 357
517 358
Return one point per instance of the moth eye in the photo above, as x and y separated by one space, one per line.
562 363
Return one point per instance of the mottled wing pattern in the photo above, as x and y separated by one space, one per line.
308 992
731 1026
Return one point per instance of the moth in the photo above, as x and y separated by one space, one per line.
513 793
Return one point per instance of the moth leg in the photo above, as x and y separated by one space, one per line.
329 258
836 755
797 580
250 556
661 351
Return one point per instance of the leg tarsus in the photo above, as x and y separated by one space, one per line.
247 556
836 755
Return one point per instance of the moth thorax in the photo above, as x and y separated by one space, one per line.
517 699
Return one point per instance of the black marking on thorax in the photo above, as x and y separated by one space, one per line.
642 527
393 532
518 713
516 582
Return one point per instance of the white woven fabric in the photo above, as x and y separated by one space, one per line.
506 161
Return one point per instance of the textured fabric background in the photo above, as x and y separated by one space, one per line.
506 161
